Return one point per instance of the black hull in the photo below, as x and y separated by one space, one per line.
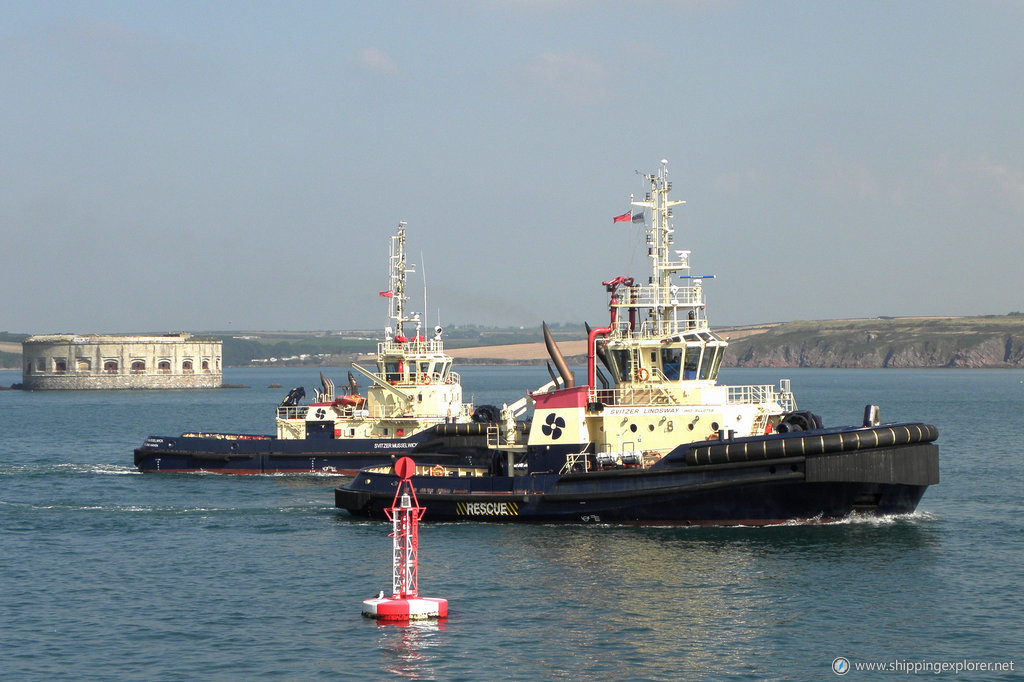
816 487
253 454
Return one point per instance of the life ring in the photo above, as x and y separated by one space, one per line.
642 374
437 470
424 378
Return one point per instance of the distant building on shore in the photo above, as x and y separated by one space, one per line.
93 361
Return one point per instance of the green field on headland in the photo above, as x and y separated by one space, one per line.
989 341
898 342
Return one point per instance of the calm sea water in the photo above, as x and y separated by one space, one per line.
109 574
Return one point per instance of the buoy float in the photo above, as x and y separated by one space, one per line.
405 513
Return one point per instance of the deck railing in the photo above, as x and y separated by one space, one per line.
427 346
661 394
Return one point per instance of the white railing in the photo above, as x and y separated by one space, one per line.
391 347
292 411
764 393
649 296
668 326
736 395
572 461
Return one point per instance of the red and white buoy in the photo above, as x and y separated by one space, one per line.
405 513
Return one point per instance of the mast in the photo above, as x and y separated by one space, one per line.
398 271
663 292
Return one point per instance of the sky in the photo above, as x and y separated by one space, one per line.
198 166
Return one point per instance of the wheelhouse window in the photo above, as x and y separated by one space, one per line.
692 362
671 360
620 362
711 363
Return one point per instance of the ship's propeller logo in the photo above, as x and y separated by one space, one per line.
321 413
553 426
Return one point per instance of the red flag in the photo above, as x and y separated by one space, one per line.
624 218
387 294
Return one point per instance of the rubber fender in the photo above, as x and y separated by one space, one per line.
473 429
486 414
809 444
799 421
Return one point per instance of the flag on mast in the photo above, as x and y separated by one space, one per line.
624 218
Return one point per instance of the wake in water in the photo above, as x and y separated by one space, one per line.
46 468
855 519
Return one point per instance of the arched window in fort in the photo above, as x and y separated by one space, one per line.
164 366
138 366
206 365
186 366
83 364
110 366
41 365
60 365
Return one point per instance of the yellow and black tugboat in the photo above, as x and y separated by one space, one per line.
413 398
658 440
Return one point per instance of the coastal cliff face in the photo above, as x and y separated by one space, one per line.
996 341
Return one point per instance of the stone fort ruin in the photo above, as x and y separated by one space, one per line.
92 361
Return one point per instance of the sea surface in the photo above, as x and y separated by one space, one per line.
109 574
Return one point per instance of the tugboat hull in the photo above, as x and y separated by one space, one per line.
246 454
820 487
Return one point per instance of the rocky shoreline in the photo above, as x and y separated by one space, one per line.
901 342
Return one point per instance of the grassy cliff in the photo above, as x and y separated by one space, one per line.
989 341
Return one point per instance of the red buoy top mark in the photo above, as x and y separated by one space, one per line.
405 467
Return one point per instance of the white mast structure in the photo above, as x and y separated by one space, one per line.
664 298
399 269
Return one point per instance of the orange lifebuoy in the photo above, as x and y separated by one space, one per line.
424 378
437 470
642 374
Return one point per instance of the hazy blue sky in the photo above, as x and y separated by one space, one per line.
240 165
